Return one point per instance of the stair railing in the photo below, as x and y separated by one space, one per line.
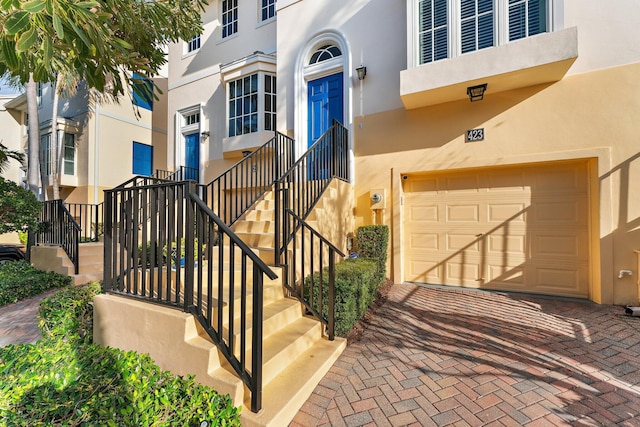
299 249
300 187
90 217
184 173
309 263
232 193
180 254
60 229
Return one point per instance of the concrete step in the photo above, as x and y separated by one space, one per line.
285 394
249 226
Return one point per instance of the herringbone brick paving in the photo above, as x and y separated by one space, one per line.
433 357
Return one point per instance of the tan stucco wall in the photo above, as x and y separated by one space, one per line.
590 116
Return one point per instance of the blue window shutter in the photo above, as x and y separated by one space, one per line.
143 92
142 159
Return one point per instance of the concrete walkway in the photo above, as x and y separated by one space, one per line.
435 357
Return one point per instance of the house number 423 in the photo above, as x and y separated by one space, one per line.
475 135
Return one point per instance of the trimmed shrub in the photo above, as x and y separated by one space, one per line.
19 280
356 284
372 242
63 379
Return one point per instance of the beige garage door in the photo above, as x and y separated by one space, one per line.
521 229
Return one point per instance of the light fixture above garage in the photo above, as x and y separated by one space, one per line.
476 93
362 72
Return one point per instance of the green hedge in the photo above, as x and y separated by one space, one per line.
356 284
372 242
63 379
19 280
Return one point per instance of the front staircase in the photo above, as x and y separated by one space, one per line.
54 258
234 266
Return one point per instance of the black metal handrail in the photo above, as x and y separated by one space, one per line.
180 254
307 259
232 193
90 218
60 229
184 173
300 188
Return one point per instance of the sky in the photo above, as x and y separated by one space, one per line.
6 89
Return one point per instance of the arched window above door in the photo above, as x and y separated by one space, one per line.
325 53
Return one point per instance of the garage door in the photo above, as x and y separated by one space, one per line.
522 229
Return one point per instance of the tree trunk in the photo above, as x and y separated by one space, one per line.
33 142
55 153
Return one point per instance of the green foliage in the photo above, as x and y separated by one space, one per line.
373 241
19 208
63 379
356 284
68 314
19 280
7 154
94 40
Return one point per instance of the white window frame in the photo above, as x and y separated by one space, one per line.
233 24
260 110
189 46
63 158
262 8
454 49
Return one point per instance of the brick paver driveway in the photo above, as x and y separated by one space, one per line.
436 357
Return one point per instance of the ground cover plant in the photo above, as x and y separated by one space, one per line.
65 379
19 280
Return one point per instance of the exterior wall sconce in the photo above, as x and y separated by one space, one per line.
205 135
362 72
476 93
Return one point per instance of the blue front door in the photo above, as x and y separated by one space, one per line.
192 157
325 105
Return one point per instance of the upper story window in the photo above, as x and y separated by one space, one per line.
448 28
193 44
69 154
142 92
527 18
250 98
267 9
66 141
229 17
325 53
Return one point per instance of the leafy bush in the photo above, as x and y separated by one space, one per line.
19 208
65 380
19 280
68 314
356 284
372 241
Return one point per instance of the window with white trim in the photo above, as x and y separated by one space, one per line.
252 104
269 102
69 154
193 44
191 118
229 17
448 28
66 143
267 9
